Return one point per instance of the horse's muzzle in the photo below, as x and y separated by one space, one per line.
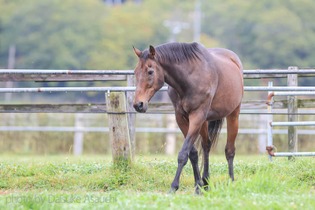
140 107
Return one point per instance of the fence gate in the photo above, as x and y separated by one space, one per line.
292 81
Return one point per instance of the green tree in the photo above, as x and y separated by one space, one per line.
123 28
53 34
266 34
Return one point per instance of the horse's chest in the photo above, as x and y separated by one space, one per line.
186 105
181 107
189 101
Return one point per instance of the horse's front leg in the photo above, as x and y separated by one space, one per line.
183 124
195 122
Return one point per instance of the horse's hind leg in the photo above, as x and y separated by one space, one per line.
232 130
193 157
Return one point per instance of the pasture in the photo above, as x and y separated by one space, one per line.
92 182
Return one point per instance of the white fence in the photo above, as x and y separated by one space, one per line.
248 107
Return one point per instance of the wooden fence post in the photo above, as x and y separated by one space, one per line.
292 110
131 116
118 128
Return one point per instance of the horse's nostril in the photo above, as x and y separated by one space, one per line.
140 105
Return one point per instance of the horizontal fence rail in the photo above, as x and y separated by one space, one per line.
154 108
295 93
126 89
101 75
279 71
63 75
138 129
131 72
305 123
294 154
68 89
66 72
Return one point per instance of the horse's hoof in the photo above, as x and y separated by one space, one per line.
198 191
206 188
172 191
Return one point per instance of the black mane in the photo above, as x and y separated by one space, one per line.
178 52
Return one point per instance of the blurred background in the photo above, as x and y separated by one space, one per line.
99 34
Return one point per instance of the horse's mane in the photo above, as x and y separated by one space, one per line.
178 52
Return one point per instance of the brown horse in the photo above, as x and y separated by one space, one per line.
205 86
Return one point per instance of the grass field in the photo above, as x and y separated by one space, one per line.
86 182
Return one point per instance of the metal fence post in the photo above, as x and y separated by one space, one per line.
269 121
292 81
262 135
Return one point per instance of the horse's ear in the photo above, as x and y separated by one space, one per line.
137 51
152 51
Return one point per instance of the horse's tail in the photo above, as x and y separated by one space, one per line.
214 128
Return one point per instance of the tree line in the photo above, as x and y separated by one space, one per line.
90 34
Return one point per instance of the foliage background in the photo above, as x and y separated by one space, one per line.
89 34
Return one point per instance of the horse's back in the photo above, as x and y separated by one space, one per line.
227 55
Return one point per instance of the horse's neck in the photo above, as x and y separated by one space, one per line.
176 77
185 79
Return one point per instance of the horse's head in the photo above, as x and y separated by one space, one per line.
149 78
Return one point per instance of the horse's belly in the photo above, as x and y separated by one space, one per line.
225 102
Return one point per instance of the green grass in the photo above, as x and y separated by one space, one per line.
93 183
